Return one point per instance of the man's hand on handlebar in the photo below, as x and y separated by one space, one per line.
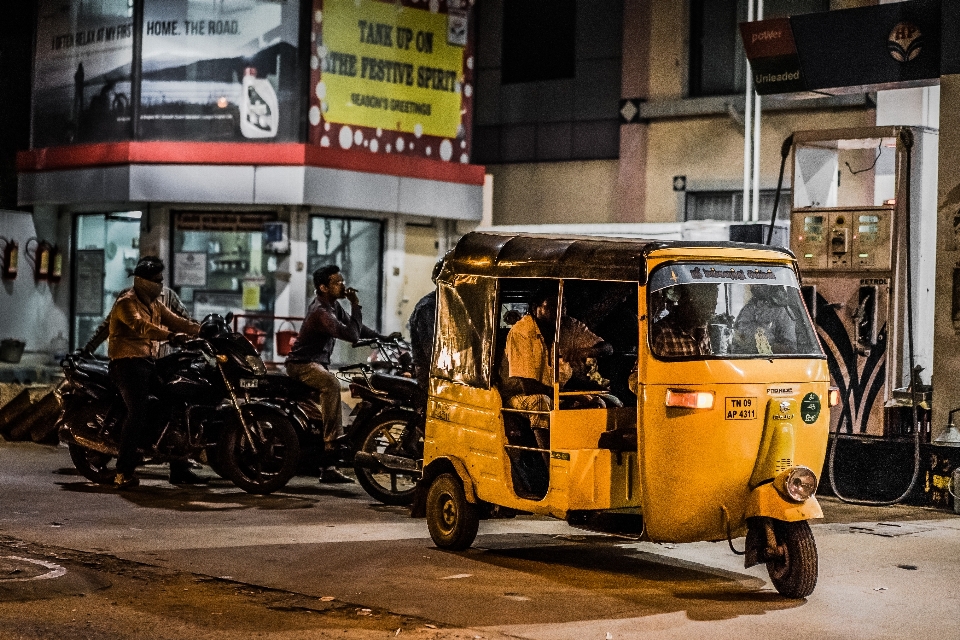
180 340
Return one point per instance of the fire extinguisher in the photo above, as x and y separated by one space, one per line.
56 264
11 256
41 259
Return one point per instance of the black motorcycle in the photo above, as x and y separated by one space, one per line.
386 432
200 407
384 440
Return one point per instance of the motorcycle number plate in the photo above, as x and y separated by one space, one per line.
248 383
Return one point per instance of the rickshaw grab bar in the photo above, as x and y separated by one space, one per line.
519 448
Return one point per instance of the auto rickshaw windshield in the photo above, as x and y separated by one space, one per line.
728 311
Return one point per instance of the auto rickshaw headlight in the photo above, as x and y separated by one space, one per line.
796 483
689 399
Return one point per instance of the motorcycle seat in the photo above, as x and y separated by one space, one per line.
289 386
398 386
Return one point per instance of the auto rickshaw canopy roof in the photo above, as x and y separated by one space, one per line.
506 255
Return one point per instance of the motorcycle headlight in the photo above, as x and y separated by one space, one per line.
255 363
796 483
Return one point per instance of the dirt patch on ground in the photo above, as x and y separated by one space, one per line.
47 593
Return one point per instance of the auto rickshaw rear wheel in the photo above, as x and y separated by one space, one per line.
794 573
452 520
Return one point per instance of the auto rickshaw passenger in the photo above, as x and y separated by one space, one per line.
527 371
767 323
683 331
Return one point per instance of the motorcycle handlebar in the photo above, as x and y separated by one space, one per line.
361 366
393 340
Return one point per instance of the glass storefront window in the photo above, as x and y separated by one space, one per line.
222 264
357 247
107 250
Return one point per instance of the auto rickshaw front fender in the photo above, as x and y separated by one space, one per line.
765 501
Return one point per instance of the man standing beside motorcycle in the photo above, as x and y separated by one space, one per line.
137 320
422 322
309 359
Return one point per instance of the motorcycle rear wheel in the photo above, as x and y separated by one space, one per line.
383 436
91 464
277 454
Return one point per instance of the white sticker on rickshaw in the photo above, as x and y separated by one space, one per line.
783 390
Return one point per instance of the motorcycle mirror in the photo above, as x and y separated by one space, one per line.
229 317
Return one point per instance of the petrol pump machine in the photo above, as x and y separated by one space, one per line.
863 221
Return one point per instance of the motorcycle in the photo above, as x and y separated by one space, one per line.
199 407
384 440
386 432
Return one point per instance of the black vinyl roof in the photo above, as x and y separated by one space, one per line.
517 255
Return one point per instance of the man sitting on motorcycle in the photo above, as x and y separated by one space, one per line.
309 359
137 320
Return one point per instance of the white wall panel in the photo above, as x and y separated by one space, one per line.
279 185
351 189
441 199
192 183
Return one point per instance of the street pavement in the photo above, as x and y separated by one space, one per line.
889 572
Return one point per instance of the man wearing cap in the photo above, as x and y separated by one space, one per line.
137 320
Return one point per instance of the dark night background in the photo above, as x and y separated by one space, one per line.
16 55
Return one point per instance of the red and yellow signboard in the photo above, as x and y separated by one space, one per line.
393 77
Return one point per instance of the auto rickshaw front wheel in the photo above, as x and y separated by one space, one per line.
452 520
794 573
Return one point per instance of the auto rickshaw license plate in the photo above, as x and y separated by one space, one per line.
741 408
248 383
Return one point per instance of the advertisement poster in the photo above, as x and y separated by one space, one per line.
82 72
220 70
190 269
393 76
90 270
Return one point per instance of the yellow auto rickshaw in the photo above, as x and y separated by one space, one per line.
672 391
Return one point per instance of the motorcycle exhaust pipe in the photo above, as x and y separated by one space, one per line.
384 462
95 445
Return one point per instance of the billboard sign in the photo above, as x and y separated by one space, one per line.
81 90
392 76
220 71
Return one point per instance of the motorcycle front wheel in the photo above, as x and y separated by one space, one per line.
384 436
91 464
270 462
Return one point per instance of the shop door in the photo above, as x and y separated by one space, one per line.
107 249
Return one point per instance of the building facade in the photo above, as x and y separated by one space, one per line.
247 143
638 113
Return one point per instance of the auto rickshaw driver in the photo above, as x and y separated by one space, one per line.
683 331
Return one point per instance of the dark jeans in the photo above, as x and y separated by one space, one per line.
132 378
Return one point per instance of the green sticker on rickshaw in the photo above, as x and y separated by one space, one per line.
810 408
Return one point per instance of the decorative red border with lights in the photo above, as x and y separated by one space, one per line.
244 153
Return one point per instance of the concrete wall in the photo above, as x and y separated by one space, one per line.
709 152
31 311
706 148
554 192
